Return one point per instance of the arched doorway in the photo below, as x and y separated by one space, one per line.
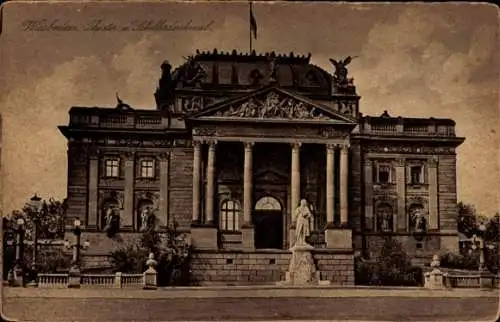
268 222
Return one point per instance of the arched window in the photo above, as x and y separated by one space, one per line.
418 218
268 203
229 215
384 218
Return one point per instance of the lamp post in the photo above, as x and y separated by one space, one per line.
478 243
18 271
36 206
74 271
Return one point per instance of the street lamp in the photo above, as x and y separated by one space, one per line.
478 243
18 271
36 206
74 271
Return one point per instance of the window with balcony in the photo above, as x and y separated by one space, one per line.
229 215
112 167
416 174
383 174
147 169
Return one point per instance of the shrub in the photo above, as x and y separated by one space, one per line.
172 252
391 267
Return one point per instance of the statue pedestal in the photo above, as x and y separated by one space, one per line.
302 270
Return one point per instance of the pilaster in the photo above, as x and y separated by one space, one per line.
127 219
433 194
196 181
164 161
93 204
401 220
368 182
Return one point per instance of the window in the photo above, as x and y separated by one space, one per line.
383 173
384 218
230 212
147 169
111 167
416 174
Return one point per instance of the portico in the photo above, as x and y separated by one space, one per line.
257 138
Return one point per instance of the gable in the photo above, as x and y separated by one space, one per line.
272 103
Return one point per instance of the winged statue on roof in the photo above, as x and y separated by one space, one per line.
340 74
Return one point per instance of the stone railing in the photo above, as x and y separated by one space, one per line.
98 280
471 281
53 280
146 280
118 280
411 127
102 118
436 279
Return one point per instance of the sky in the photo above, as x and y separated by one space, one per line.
414 60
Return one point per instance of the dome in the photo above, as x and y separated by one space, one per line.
218 71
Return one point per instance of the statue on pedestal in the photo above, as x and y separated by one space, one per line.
302 217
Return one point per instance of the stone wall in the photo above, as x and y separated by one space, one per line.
77 180
181 186
447 192
239 268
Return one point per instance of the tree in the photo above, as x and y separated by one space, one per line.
467 219
51 219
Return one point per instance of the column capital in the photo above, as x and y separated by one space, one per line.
163 156
128 155
344 147
331 146
94 153
197 144
400 162
248 144
432 162
296 145
368 162
211 144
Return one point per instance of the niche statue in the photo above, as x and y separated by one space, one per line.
112 222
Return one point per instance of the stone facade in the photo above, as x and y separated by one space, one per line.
236 142
239 268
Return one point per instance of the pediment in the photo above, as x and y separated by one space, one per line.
272 104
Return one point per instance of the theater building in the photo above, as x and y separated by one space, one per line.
236 141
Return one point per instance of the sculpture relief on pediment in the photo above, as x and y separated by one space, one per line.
273 106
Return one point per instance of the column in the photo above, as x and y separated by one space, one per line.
295 177
330 185
164 193
209 196
196 181
247 185
92 220
400 222
433 194
368 180
344 185
128 208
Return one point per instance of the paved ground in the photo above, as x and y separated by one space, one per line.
250 303
216 309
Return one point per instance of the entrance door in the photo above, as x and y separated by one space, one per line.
268 223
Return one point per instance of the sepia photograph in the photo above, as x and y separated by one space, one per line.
249 161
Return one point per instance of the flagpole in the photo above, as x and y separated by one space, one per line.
250 25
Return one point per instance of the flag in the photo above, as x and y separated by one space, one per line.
253 23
